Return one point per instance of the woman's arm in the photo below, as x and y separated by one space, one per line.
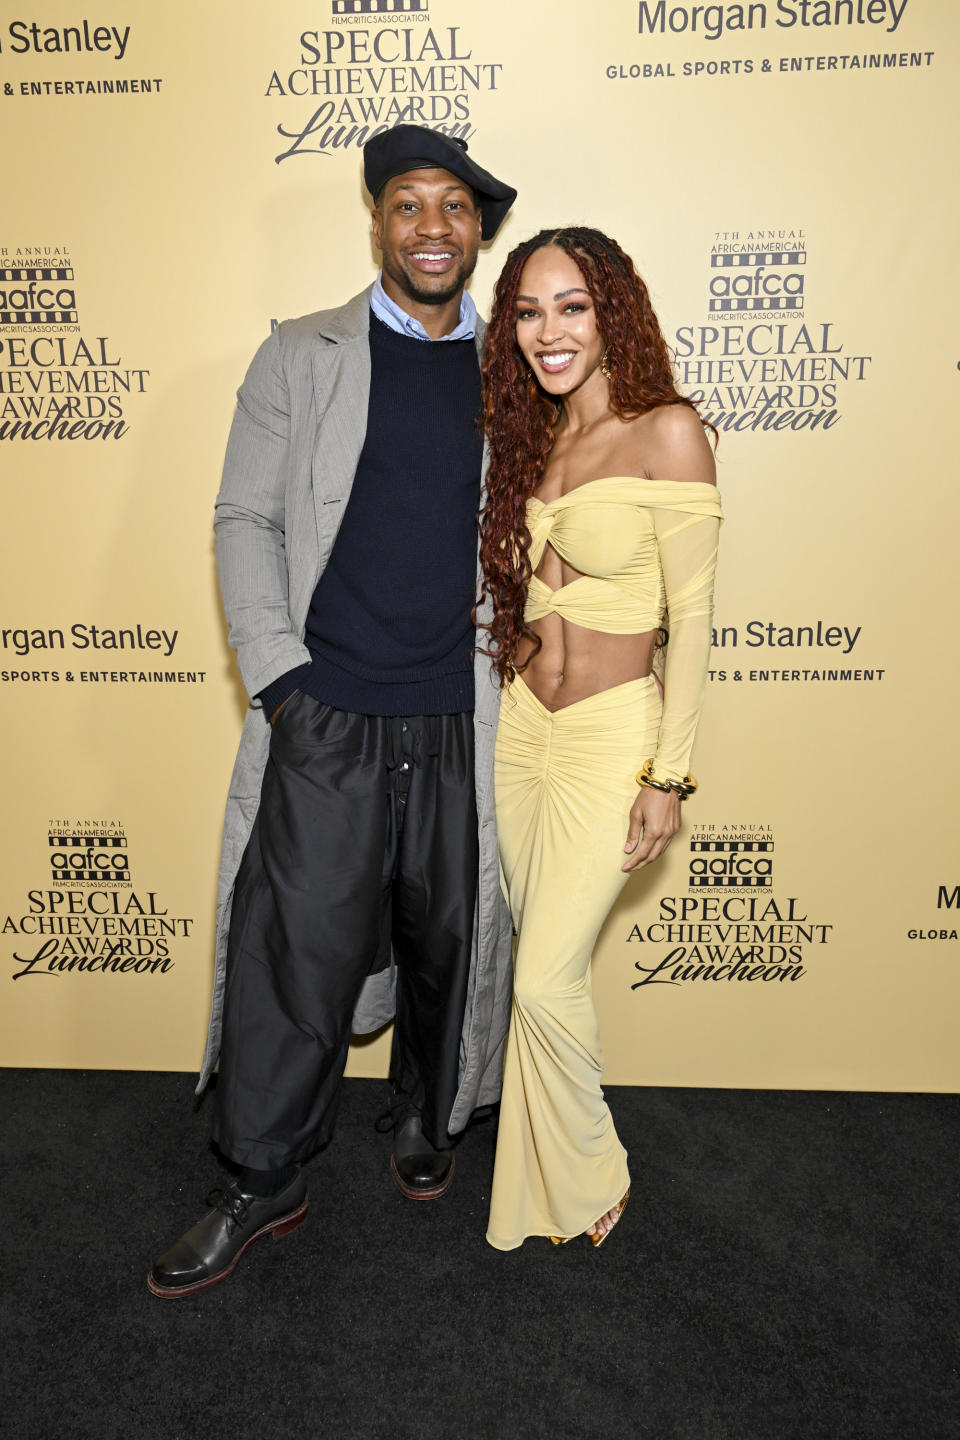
688 553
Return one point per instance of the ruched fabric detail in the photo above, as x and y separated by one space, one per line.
564 788
613 531
646 551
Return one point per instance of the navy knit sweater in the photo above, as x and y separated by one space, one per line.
389 629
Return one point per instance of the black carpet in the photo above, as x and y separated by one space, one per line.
786 1270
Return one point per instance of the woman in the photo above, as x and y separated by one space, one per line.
599 529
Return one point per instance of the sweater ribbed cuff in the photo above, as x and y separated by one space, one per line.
281 689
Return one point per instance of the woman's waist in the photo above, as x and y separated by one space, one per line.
598 658
569 668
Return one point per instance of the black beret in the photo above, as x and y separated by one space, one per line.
414 147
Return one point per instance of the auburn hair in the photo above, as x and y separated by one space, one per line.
519 417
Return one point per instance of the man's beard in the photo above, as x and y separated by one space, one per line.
408 284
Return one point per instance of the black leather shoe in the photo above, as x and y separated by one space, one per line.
420 1172
211 1250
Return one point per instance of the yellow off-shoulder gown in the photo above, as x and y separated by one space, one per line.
565 782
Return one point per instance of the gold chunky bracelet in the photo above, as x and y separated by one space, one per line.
683 787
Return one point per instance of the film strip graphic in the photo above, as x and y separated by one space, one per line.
75 857
35 282
731 869
757 282
730 882
378 7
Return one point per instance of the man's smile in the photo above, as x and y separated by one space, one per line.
433 261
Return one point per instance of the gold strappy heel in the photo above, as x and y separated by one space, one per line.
597 1240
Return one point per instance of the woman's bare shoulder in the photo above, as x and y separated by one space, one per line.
672 445
679 447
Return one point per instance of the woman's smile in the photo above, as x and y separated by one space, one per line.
553 361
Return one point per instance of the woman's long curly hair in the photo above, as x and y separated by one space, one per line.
519 417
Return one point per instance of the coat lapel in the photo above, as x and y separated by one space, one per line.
341 389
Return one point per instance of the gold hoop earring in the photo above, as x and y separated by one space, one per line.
606 368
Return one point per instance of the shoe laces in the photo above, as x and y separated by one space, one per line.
230 1203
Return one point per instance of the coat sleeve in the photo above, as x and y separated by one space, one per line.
250 525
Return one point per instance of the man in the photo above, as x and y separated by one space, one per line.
360 875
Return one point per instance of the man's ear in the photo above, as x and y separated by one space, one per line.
376 219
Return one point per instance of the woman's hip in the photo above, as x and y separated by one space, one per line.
616 727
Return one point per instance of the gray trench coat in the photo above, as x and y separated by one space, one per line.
291 457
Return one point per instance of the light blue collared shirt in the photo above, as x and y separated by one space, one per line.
391 314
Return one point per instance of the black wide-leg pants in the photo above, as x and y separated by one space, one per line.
366 838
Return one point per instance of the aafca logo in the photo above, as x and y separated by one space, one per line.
37 294
731 857
759 362
56 383
761 275
729 927
89 856
36 287
88 918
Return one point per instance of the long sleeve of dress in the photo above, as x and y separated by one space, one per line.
688 558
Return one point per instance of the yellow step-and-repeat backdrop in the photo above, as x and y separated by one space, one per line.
180 176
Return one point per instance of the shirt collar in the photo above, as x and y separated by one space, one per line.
397 319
